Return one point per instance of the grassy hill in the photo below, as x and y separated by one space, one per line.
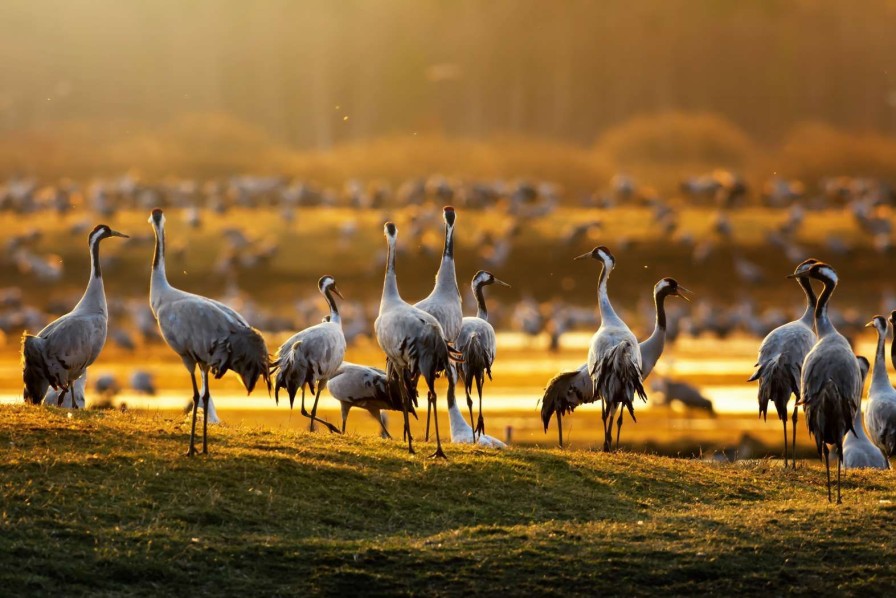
106 502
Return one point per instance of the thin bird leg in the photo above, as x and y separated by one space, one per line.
827 466
61 398
405 403
839 462
205 397
470 407
560 427
305 411
480 424
608 431
603 419
192 450
313 414
619 427
431 396
385 431
784 421
428 415
796 409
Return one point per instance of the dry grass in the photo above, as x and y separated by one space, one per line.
106 503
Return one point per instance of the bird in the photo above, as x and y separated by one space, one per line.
142 382
567 390
858 450
780 361
368 388
614 357
880 412
683 393
204 333
413 341
311 356
830 380
61 352
478 344
444 303
74 399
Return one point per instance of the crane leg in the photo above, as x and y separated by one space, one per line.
839 462
431 397
61 398
428 416
470 408
603 419
827 465
405 403
313 414
192 450
480 424
784 421
205 397
384 432
796 409
560 427
619 427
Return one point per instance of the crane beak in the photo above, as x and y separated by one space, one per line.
582 257
870 324
115 233
684 294
336 292
502 283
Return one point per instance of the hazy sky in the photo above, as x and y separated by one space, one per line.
562 69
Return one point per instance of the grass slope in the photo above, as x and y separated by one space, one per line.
107 503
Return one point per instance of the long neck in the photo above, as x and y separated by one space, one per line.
481 310
446 278
652 348
334 311
893 348
95 295
390 284
857 423
879 375
823 324
811 302
159 279
603 299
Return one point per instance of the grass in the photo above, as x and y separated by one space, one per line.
107 503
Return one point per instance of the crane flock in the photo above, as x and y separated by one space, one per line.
807 358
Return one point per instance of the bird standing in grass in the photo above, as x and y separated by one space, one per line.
880 413
781 357
830 381
858 450
412 340
205 333
312 356
60 353
478 345
366 388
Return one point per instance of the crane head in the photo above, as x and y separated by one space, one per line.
601 254
483 278
328 283
669 287
156 218
449 215
390 229
879 323
101 231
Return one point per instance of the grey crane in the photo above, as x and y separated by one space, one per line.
412 340
367 388
858 450
444 302
204 333
567 390
60 353
780 361
614 357
311 356
830 381
880 413
687 395
477 343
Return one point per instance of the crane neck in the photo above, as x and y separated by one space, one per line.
334 310
811 302
390 284
879 376
652 348
893 348
823 325
481 309
94 297
446 277
603 299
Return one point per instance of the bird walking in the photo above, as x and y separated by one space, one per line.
780 361
60 353
567 390
858 451
478 344
204 333
310 357
412 340
830 381
367 388
880 412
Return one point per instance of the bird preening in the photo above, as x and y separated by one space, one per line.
806 358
